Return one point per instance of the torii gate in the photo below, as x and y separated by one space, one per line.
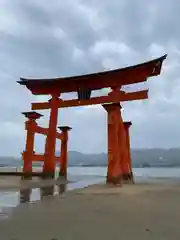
119 166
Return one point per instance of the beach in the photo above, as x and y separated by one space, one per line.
86 208
140 211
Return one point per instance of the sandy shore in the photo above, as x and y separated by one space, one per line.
15 183
143 211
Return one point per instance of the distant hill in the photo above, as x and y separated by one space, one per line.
9 161
156 157
140 158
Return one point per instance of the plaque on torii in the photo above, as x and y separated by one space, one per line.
118 154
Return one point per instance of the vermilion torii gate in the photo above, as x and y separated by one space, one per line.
119 163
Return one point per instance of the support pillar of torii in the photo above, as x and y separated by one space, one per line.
118 154
50 146
126 127
64 151
29 155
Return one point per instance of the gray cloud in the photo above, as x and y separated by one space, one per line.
76 37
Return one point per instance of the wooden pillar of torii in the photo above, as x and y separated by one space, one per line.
64 151
117 152
119 161
50 146
128 148
119 156
29 154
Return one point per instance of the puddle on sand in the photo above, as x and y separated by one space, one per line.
31 195
11 199
26 195
4 213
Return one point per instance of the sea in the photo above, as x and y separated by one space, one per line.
79 177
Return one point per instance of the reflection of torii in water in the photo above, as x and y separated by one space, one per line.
25 194
119 166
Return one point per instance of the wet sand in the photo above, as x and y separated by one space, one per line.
141 211
15 182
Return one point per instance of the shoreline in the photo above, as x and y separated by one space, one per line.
8 183
13 193
15 183
10 197
136 211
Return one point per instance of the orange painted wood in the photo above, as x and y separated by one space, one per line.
29 149
94 81
126 127
118 158
117 134
123 151
40 158
63 164
64 151
50 146
110 152
44 131
95 100
29 156
114 172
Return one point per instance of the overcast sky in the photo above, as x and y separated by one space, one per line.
62 38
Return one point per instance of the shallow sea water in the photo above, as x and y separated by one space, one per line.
81 177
